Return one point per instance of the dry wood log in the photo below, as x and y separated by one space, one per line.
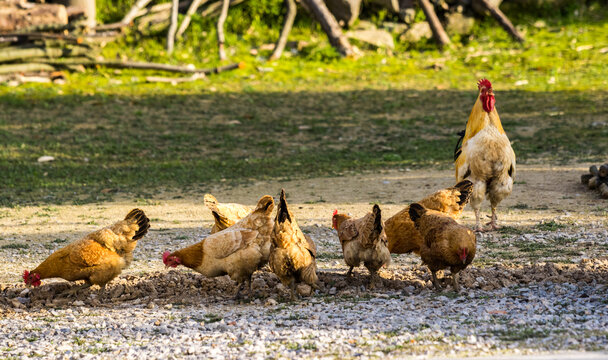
287 24
436 27
603 171
330 26
593 170
13 17
25 68
603 189
186 22
585 179
502 19
21 53
172 27
28 37
593 182
220 29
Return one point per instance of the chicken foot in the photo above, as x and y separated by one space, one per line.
75 289
455 282
438 286
350 272
245 285
478 226
493 220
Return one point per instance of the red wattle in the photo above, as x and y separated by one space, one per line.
487 102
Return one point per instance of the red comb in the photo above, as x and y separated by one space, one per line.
335 212
485 83
165 256
26 275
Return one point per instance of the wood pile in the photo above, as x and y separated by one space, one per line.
597 179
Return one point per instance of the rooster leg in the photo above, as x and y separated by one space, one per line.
478 226
455 282
350 272
493 220
436 281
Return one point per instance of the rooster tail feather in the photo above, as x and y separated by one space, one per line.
138 216
377 228
458 148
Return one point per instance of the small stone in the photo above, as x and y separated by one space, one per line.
78 303
333 291
270 302
45 158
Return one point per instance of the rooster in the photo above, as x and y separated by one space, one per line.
400 230
363 240
293 254
484 155
446 243
97 258
225 215
238 251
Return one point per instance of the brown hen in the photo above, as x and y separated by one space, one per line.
292 256
446 243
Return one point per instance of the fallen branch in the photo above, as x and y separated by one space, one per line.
143 65
502 19
173 80
288 23
431 17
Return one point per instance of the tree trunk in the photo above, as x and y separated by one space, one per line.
438 31
288 23
220 29
25 68
330 26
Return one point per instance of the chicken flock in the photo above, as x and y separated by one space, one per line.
243 240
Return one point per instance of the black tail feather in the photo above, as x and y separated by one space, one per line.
282 212
458 148
142 222
416 211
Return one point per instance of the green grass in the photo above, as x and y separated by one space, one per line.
314 115
15 246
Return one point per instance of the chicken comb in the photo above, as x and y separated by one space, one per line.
165 256
335 212
26 275
484 83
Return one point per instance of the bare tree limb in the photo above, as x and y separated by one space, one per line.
502 19
139 4
172 27
438 31
330 26
220 29
186 22
287 24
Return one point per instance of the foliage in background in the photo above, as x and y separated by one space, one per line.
310 114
